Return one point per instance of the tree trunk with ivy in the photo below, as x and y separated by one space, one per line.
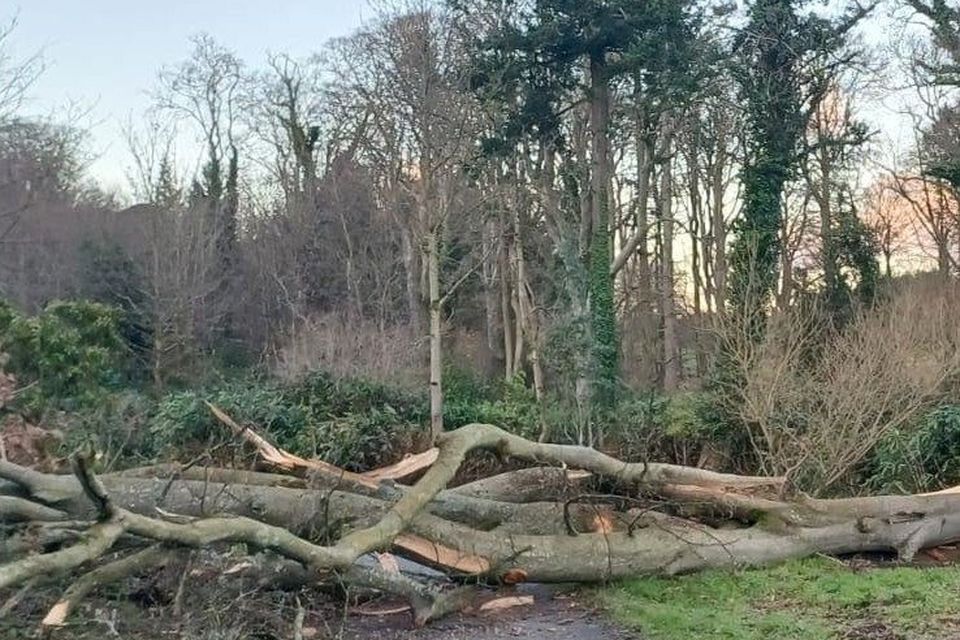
602 316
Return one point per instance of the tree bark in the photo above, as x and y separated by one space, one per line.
576 536
671 351
436 337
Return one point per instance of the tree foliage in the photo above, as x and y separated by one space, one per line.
781 53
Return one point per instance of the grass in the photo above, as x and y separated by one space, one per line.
812 599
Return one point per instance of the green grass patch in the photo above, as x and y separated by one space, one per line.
809 599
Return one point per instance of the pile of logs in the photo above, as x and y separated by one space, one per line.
573 514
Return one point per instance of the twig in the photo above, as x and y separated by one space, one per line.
298 621
15 599
111 572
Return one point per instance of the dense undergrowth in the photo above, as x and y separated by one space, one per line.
76 372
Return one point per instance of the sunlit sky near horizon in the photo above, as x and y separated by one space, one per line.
104 55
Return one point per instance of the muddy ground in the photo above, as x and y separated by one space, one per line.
557 615
193 600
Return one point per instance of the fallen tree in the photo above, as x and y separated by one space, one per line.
577 515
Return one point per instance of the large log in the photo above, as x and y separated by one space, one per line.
464 531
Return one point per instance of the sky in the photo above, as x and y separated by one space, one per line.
103 55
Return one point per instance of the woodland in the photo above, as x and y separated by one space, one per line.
519 291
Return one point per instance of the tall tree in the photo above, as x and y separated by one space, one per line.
546 61
407 72
782 53
206 89
835 144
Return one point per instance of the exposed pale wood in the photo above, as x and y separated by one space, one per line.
505 602
405 468
280 459
388 562
390 610
442 556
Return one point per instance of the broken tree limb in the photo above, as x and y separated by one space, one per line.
463 531
14 509
487 436
283 460
280 459
406 467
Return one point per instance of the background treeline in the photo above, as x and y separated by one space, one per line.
664 227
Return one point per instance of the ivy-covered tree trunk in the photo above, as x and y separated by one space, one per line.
755 255
602 317
770 51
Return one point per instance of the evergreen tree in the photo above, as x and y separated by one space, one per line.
781 56
534 64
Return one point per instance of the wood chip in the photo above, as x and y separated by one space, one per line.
506 602
514 576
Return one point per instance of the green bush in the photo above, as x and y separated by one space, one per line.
116 428
512 407
67 356
349 422
183 420
329 397
923 457
654 426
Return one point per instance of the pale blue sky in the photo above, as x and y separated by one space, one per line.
106 53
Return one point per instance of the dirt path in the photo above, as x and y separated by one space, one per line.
553 616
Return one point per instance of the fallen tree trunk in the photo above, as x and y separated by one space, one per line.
489 529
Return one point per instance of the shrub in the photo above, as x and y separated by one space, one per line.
329 397
510 405
183 423
665 428
813 403
68 356
924 457
352 423
358 441
116 428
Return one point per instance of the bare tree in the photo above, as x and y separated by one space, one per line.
17 75
206 90
932 200
885 214
407 72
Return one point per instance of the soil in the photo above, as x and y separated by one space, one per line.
212 607
872 630
556 615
